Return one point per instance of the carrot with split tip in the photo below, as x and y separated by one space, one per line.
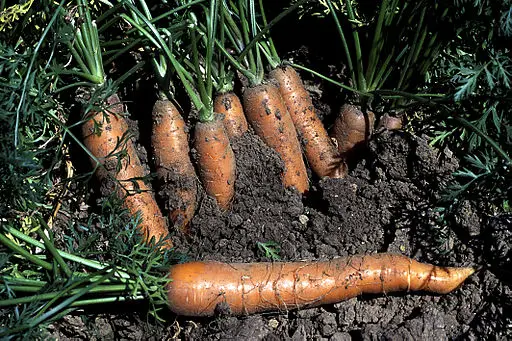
229 105
352 127
197 288
176 174
267 113
127 171
322 155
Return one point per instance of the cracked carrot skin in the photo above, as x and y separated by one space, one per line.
216 161
322 155
229 105
267 113
128 171
175 172
247 288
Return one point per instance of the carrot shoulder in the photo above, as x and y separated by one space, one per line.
216 161
106 144
228 104
322 155
176 174
267 113
198 287
352 127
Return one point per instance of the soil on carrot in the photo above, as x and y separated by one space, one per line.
386 204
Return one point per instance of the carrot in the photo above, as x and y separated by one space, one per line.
174 168
228 104
198 287
388 122
352 127
216 161
127 171
266 111
322 155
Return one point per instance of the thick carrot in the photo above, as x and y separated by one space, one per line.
321 153
216 161
352 127
228 104
127 171
198 287
266 111
169 141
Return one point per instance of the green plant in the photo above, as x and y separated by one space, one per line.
270 250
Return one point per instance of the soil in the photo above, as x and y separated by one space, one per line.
386 204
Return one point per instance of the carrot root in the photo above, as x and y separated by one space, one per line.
127 171
229 105
198 287
169 141
321 153
267 113
216 161
352 127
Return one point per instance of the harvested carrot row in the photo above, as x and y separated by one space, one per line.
127 171
321 153
216 161
228 104
352 127
266 111
198 287
169 141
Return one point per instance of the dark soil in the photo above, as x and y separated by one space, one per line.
386 204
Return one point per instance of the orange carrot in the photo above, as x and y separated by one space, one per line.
321 153
216 161
106 145
228 104
266 111
174 169
198 287
352 127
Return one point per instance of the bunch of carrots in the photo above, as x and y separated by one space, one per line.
281 113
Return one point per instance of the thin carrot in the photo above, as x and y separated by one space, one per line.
107 145
197 288
322 155
216 161
169 141
228 104
267 113
352 127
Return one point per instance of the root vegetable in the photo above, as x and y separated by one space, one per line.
197 288
216 161
106 145
322 155
176 174
390 122
266 111
228 104
352 127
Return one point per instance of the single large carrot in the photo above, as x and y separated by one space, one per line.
107 144
228 104
197 288
216 161
321 153
352 127
267 113
176 174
